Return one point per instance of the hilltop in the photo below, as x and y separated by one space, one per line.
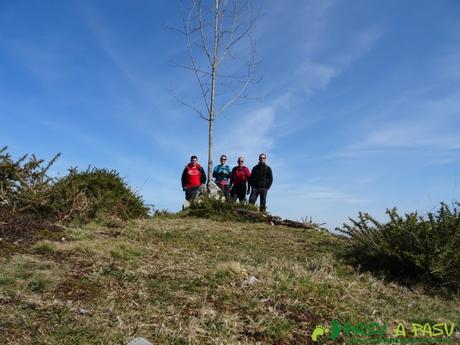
180 280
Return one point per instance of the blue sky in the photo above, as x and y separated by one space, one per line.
361 109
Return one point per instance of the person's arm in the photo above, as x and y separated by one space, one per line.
248 176
251 180
214 172
248 180
252 177
269 177
184 178
232 177
203 175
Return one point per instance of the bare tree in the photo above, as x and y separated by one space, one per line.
221 56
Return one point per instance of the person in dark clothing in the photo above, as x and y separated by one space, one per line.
261 180
193 177
239 178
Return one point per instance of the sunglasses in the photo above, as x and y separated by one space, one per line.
262 157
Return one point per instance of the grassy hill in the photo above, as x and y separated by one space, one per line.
193 281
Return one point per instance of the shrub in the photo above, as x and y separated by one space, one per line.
411 248
29 198
24 192
206 207
24 184
95 194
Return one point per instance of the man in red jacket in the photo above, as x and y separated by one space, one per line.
193 177
239 178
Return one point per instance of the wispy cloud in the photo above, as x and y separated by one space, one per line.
315 21
316 75
134 68
417 121
297 193
44 57
322 202
419 124
252 137
107 41
409 135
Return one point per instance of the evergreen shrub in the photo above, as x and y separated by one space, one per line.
28 194
206 207
24 184
410 247
95 194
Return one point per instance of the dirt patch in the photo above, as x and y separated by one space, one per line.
24 230
77 288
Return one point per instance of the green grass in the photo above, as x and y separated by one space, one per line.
186 281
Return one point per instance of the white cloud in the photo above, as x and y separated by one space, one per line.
316 75
410 135
45 58
315 15
412 121
252 137
320 201
359 44
300 193
424 123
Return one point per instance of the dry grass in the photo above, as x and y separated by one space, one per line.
194 281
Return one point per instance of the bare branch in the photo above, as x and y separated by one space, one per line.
202 34
196 110
236 27
213 29
192 58
190 68
243 88
171 28
232 30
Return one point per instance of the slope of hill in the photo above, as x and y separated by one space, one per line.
194 281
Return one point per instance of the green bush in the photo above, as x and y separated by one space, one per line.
28 195
24 184
410 248
207 207
95 194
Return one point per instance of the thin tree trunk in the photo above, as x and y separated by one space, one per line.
210 143
214 35
213 89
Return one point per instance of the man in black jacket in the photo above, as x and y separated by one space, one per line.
261 180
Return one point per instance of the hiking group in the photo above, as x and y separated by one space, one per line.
235 184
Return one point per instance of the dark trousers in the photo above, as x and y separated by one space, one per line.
191 192
255 192
239 191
